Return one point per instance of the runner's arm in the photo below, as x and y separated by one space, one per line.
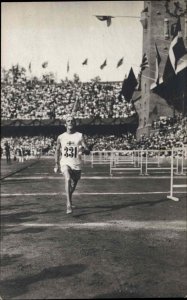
57 154
86 149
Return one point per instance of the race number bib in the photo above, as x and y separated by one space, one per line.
70 152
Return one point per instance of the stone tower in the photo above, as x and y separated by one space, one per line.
158 19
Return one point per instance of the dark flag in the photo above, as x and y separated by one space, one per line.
120 62
103 65
158 61
108 19
144 63
67 66
176 51
129 85
145 9
45 64
85 62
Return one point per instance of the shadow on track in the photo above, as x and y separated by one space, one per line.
110 208
18 286
7 260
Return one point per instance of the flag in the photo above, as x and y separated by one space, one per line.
67 66
108 19
129 85
85 62
120 62
145 9
103 65
45 64
144 63
158 61
30 70
176 51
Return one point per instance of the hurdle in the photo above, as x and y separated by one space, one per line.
135 159
172 185
180 160
86 158
155 165
100 157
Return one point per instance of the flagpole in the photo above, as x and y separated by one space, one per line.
127 17
30 71
120 16
74 106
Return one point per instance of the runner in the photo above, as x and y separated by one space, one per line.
70 145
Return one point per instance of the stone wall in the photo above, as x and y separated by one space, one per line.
157 25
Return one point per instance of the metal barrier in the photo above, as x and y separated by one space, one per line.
124 157
86 158
142 160
172 185
178 154
154 162
100 157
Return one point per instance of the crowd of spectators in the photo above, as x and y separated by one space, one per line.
166 123
23 98
30 98
161 139
164 138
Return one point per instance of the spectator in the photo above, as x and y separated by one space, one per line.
7 152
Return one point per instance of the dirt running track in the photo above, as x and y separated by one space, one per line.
125 239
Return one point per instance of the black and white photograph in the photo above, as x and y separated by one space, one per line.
93 150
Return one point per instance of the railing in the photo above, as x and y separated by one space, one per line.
100 157
126 160
183 158
144 161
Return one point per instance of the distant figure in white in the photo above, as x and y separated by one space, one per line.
70 146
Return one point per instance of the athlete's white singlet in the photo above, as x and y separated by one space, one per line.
70 149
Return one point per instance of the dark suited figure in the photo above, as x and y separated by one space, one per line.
7 152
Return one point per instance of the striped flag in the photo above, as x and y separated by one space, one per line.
108 19
176 51
120 62
103 65
145 63
158 61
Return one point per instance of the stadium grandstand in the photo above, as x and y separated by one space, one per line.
40 104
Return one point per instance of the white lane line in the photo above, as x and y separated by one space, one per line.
114 224
87 193
92 177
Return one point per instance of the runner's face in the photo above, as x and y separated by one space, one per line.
70 123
